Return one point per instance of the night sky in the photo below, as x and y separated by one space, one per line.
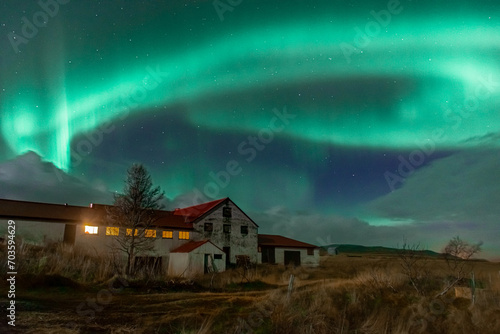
328 121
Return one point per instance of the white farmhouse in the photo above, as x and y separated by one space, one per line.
187 241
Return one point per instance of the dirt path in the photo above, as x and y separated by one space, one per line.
88 312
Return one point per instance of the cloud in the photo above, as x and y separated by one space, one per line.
463 186
456 195
29 178
320 229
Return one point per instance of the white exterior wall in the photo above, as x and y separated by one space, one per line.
178 264
193 263
239 244
35 232
103 242
39 233
305 260
312 261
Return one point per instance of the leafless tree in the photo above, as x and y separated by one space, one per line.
458 253
414 262
134 213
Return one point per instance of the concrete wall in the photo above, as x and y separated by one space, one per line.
193 263
239 244
305 260
103 242
178 264
40 233
35 232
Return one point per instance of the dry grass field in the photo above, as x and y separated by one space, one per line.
75 292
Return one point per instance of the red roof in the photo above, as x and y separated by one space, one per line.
279 241
191 213
168 219
191 246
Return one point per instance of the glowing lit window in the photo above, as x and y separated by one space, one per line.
91 229
150 233
183 235
129 232
167 234
112 230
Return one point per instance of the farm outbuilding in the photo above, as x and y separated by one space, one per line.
276 249
196 258
187 241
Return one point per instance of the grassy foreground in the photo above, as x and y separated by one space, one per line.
64 291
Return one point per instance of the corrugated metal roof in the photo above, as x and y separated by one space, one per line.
280 241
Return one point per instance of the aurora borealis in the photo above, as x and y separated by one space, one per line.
386 97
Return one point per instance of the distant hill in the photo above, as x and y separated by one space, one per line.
358 249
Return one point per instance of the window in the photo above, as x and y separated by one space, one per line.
129 232
183 235
226 212
244 230
167 234
150 233
310 251
112 230
217 256
209 227
91 229
227 228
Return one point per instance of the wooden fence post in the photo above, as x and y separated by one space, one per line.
473 289
290 286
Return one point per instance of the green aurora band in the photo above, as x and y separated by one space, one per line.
424 72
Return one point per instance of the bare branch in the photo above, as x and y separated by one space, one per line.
135 212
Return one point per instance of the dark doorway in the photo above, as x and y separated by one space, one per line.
268 255
69 234
292 258
206 264
227 250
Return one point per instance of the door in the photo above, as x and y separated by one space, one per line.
206 264
227 250
268 255
292 258
69 234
